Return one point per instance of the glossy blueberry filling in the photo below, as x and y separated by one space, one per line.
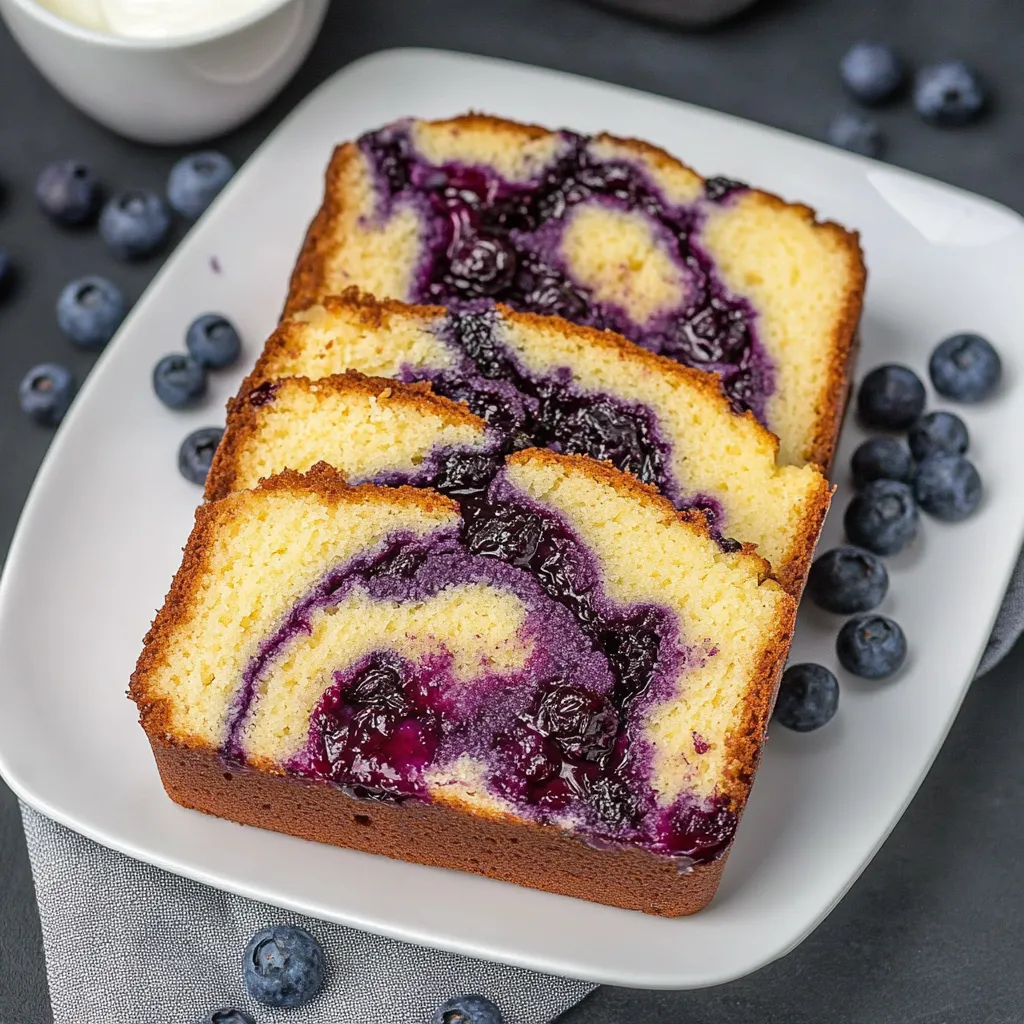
526 410
547 411
529 412
560 739
493 240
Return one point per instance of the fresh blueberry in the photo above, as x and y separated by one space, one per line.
46 392
965 368
857 133
949 94
871 72
882 518
284 966
881 458
178 381
135 224
195 456
90 310
891 397
808 698
936 432
482 266
68 192
212 341
468 1010
195 180
847 580
6 273
871 646
228 1015
947 487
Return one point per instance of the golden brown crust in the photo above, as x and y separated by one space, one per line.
844 340
797 561
360 307
321 480
308 276
539 857
243 417
746 744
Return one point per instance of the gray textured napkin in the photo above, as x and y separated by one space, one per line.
1009 622
128 942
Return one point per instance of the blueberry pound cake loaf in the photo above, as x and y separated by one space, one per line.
605 232
513 687
537 381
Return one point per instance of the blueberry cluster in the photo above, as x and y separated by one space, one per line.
133 224
946 94
212 342
284 966
895 482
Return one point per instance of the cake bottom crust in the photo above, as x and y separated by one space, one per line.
536 856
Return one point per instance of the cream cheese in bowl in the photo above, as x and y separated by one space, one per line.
152 19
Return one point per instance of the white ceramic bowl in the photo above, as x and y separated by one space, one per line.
178 90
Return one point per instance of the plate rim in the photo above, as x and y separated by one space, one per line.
54 458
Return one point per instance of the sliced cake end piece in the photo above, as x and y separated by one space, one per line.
518 689
544 381
370 429
607 232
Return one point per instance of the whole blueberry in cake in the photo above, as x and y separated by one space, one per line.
505 686
533 381
965 368
607 233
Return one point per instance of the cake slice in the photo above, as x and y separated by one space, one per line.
517 688
368 428
605 232
538 380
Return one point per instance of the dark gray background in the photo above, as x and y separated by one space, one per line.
933 932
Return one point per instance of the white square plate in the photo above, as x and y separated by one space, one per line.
102 531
